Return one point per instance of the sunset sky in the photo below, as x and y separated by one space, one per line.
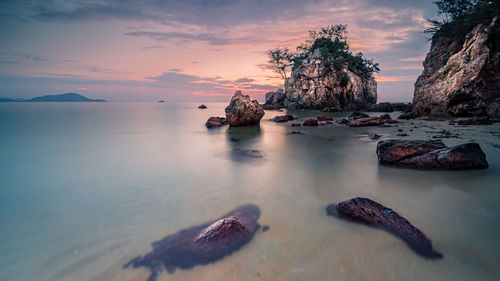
193 50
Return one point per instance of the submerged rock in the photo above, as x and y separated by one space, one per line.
242 111
202 244
371 213
431 155
283 118
213 122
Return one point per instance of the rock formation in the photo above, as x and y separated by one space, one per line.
460 78
366 211
315 85
431 155
242 111
274 100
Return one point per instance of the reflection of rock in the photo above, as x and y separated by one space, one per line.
475 121
371 213
311 122
431 155
246 153
242 111
213 122
202 106
201 244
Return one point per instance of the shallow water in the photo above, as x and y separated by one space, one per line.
85 187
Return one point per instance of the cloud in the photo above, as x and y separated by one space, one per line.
167 36
100 69
32 57
155 47
244 80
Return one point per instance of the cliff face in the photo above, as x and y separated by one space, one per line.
316 85
460 78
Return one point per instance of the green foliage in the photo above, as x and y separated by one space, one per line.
460 17
331 43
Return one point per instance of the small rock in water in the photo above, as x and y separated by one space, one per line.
296 125
202 106
246 153
265 228
311 122
295 133
403 135
325 118
201 244
371 213
214 122
374 136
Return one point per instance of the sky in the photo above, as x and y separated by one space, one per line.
194 50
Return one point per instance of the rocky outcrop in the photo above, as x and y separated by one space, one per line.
431 155
315 85
371 213
274 100
214 122
461 77
242 111
201 244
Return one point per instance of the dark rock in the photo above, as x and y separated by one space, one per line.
431 155
371 213
476 121
342 121
382 107
357 115
385 116
265 228
370 121
311 122
283 118
201 244
213 122
295 133
202 106
296 125
493 109
325 118
374 136
406 116
270 107
242 111
403 135
400 106
400 130
274 100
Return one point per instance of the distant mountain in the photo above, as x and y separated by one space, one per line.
68 97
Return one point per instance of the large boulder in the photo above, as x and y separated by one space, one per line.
431 155
371 213
317 85
242 111
461 77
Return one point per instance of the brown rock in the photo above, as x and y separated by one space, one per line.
213 122
242 111
311 122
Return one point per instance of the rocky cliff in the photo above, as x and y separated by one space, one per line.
316 85
461 77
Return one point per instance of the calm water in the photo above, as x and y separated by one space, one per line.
86 187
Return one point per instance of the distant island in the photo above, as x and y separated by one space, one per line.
68 97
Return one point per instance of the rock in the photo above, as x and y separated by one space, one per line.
325 118
296 125
357 115
370 121
431 155
403 135
371 213
295 133
460 78
202 106
265 228
238 153
331 109
385 117
201 244
374 136
342 121
274 100
242 111
213 122
311 122
493 109
476 121
270 107
406 116
400 106
284 118
382 107
315 84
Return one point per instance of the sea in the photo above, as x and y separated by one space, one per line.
85 187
